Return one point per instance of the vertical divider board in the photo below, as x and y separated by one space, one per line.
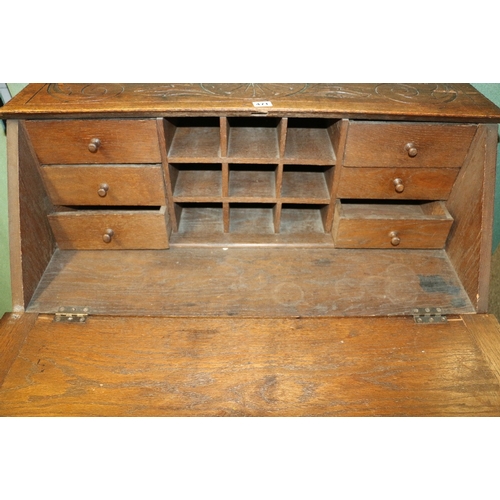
225 171
223 136
277 216
225 179
338 134
223 154
282 131
226 215
166 131
282 134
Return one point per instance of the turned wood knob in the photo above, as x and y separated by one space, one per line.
395 239
398 185
103 190
411 149
108 236
94 145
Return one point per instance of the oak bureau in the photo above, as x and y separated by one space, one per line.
346 210
251 199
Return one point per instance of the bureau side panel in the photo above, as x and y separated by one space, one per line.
16 274
32 243
471 206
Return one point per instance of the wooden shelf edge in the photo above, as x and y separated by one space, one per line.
14 330
484 329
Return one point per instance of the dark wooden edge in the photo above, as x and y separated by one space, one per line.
14 330
488 215
484 329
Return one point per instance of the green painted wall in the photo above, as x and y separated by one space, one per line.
490 90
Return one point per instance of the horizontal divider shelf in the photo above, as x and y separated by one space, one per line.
249 181
306 182
313 240
291 183
249 200
192 138
309 145
196 181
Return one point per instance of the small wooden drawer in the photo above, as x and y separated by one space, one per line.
104 184
397 183
380 225
94 141
377 144
111 229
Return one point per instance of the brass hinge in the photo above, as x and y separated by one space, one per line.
67 314
429 315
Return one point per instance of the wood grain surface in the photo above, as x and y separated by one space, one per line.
125 184
132 229
471 206
251 282
380 183
429 101
121 141
374 144
485 330
373 225
30 232
14 329
240 367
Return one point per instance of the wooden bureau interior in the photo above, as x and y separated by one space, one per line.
197 204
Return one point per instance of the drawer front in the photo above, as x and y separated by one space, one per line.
391 226
94 141
397 183
110 230
373 144
104 185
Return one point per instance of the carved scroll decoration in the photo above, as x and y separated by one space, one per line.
68 92
411 93
426 93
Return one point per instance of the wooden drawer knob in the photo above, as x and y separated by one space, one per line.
108 236
411 149
94 145
103 190
395 239
398 185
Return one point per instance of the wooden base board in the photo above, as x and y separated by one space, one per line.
251 282
14 329
247 367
